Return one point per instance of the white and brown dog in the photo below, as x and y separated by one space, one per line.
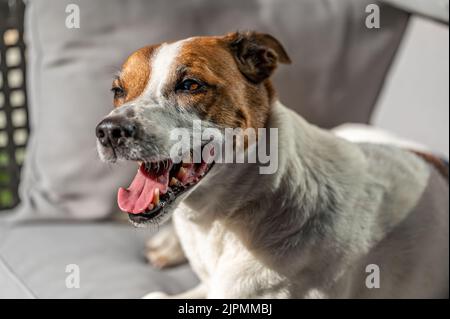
332 211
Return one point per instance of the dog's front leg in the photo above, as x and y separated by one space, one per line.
164 249
198 292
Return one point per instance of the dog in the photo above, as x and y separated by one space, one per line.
337 219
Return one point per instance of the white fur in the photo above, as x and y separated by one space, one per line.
310 229
162 65
359 133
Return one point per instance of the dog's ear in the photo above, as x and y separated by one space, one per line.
257 54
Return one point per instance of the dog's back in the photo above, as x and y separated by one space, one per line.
413 256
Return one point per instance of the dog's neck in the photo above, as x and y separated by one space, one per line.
240 195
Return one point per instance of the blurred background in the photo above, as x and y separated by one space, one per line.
57 61
13 105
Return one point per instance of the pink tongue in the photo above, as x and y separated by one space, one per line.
138 197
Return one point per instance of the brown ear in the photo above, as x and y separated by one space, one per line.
257 54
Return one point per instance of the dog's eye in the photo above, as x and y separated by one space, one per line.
189 85
118 92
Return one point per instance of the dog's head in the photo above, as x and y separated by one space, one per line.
222 81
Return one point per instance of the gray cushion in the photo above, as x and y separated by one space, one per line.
339 67
110 256
435 9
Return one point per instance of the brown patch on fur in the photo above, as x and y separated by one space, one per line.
135 75
434 161
234 71
229 99
257 54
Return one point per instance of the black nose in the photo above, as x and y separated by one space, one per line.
113 131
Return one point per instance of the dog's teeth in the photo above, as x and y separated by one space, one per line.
173 181
156 197
186 158
181 173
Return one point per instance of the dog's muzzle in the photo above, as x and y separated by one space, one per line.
159 180
113 131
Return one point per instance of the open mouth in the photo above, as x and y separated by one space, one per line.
156 185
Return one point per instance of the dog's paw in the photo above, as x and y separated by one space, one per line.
164 249
159 259
156 295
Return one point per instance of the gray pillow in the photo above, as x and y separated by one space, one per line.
435 9
338 69
109 256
